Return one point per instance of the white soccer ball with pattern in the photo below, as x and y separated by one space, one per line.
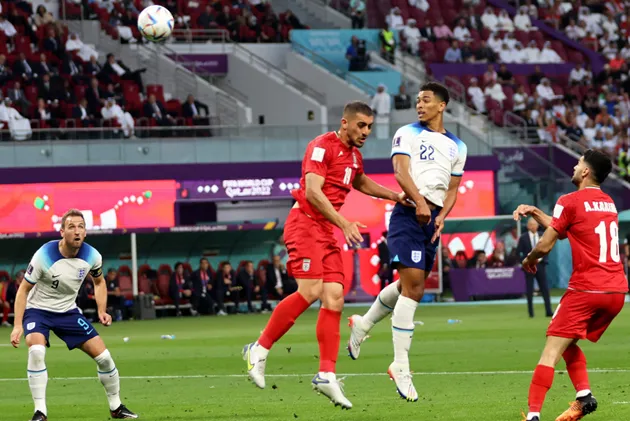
155 23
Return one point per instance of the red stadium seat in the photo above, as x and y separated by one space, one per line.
156 90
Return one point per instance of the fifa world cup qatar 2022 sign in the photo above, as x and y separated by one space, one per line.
241 189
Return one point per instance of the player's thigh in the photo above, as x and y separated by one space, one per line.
74 329
302 237
572 316
37 326
93 347
609 306
332 297
554 348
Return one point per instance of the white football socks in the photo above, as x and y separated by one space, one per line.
532 415
382 306
108 375
402 328
582 393
38 376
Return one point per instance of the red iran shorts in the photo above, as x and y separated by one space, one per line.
585 315
312 247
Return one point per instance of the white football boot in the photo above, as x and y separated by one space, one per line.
357 335
404 383
328 385
255 364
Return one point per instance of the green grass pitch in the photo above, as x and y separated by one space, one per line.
477 370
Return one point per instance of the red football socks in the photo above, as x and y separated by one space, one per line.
282 318
328 337
541 383
576 366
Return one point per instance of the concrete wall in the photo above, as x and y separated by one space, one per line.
338 92
269 96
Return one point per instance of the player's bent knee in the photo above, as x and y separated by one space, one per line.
36 357
310 289
94 347
35 339
412 282
332 297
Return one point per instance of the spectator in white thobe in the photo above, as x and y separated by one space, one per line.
83 51
420 4
549 55
545 90
412 35
532 53
505 23
490 20
495 91
522 21
476 95
111 110
381 105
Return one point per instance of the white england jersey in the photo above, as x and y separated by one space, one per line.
57 279
435 157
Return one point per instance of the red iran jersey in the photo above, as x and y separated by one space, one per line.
339 164
589 218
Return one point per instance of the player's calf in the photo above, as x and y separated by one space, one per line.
38 378
110 379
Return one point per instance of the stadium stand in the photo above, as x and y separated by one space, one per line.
547 85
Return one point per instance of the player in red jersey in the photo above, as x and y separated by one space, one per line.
332 165
597 288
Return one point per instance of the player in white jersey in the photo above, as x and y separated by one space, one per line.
428 164
46 301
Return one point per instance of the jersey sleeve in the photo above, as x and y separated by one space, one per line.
317 159
401 145
562 216
96 260
457 169
35 269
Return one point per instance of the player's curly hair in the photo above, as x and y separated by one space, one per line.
438 90
599 163
69 213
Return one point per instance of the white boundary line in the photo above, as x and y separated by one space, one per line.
427 373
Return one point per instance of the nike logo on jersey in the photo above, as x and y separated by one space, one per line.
56 276
340 153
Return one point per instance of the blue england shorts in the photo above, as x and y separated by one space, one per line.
409 242
71 327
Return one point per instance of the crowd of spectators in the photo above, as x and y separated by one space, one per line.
251 21
203 290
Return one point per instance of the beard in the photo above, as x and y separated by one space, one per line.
576 180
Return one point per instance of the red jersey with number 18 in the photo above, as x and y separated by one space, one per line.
339 164
588 217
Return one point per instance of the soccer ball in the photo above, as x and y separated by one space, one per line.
155 23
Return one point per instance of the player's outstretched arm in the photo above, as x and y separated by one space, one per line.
366 185
543 247
318 199
100 296
541 217
18 311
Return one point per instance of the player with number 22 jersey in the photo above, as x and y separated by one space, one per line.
597 288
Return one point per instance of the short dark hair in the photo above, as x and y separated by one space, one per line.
68 214
599 163
203 259
357 107
438 90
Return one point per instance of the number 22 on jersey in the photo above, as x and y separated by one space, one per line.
603 242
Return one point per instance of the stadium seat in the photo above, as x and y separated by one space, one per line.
4 276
